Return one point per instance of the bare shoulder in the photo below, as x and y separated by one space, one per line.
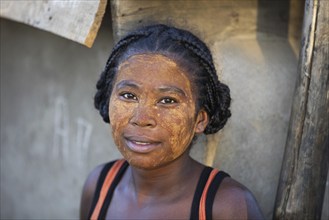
88 191
235 201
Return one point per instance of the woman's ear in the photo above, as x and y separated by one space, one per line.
202 121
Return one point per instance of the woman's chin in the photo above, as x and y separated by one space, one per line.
146 163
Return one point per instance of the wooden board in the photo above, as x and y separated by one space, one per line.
73 19
198 16
306 160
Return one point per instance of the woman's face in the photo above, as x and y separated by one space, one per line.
153 111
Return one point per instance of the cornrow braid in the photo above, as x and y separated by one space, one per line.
186 50
219 113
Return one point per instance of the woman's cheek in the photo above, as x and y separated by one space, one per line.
119 118
180 126
181 140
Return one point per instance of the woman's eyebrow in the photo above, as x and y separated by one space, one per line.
172 89
127 83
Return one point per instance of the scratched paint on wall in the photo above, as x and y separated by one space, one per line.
83 134
61 129
62 147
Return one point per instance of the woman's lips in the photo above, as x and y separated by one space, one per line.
141 145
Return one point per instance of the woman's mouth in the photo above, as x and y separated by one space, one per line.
141 145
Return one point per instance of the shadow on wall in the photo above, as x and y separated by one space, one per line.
273 17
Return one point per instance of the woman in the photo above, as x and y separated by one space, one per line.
159 91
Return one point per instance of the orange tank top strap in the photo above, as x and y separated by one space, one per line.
107 181
205 193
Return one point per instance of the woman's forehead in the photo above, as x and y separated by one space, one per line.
148 60
153 69
151 65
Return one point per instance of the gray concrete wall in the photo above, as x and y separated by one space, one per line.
262 85
51 136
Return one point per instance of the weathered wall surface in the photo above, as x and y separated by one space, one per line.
48 122
261 75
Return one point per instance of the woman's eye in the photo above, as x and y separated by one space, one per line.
168 101
128 96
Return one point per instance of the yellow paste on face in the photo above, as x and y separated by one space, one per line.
152 98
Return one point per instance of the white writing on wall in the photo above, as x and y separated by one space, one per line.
70 143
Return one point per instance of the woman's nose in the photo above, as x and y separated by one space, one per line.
143 116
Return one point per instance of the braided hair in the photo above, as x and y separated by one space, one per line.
188 51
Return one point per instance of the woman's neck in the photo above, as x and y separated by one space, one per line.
167 182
